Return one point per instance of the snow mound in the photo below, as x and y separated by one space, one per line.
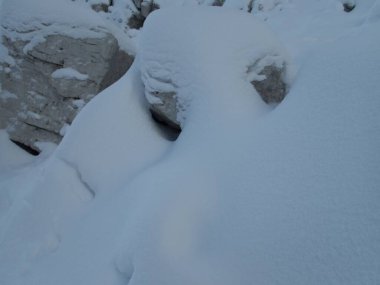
203 48
244 196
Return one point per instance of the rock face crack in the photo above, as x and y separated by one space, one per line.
35 58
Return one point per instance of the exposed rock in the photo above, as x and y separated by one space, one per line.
39 106
100 7
165 109
272 89
143 9
348 6
218 3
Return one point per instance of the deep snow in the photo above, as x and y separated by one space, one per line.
246 195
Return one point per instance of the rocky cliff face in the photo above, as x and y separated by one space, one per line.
38 100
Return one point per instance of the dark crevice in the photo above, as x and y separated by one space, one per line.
218 3
169 132
136 21
138 18
250 6
39 128
348 7
27 148
59 65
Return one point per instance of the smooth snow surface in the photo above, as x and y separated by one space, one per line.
246 195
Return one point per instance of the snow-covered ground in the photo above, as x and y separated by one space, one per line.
246 195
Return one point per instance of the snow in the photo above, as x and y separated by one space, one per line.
38 19
68 73
11 155
247 194
182 67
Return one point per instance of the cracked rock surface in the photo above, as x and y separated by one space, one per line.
36 106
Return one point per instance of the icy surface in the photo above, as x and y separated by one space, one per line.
246 195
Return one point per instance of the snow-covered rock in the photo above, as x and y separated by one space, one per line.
53 67
40 86
245 195
253 55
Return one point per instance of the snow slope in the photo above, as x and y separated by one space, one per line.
246 195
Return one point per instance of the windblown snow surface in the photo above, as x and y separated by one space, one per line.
247 194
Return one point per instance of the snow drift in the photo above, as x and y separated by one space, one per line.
246 195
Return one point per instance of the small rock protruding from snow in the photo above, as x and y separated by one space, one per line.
268 78
142 9
349 5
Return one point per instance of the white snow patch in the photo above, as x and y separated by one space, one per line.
6 95
68 73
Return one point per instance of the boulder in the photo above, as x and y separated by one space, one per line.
272 89
165 109
37 105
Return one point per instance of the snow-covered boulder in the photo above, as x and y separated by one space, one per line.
242 54
54 69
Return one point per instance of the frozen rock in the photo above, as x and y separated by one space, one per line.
164 110
269 78
142 9
42 103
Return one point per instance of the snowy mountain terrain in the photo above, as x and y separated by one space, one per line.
249 192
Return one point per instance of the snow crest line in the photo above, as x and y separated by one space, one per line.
80 176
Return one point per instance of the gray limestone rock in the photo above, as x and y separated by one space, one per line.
143 9
38 106
166 108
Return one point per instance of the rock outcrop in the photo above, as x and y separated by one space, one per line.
35 105
268 77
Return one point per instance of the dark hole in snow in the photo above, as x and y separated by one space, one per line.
348 7
218 3
169 132
100 7
27 148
